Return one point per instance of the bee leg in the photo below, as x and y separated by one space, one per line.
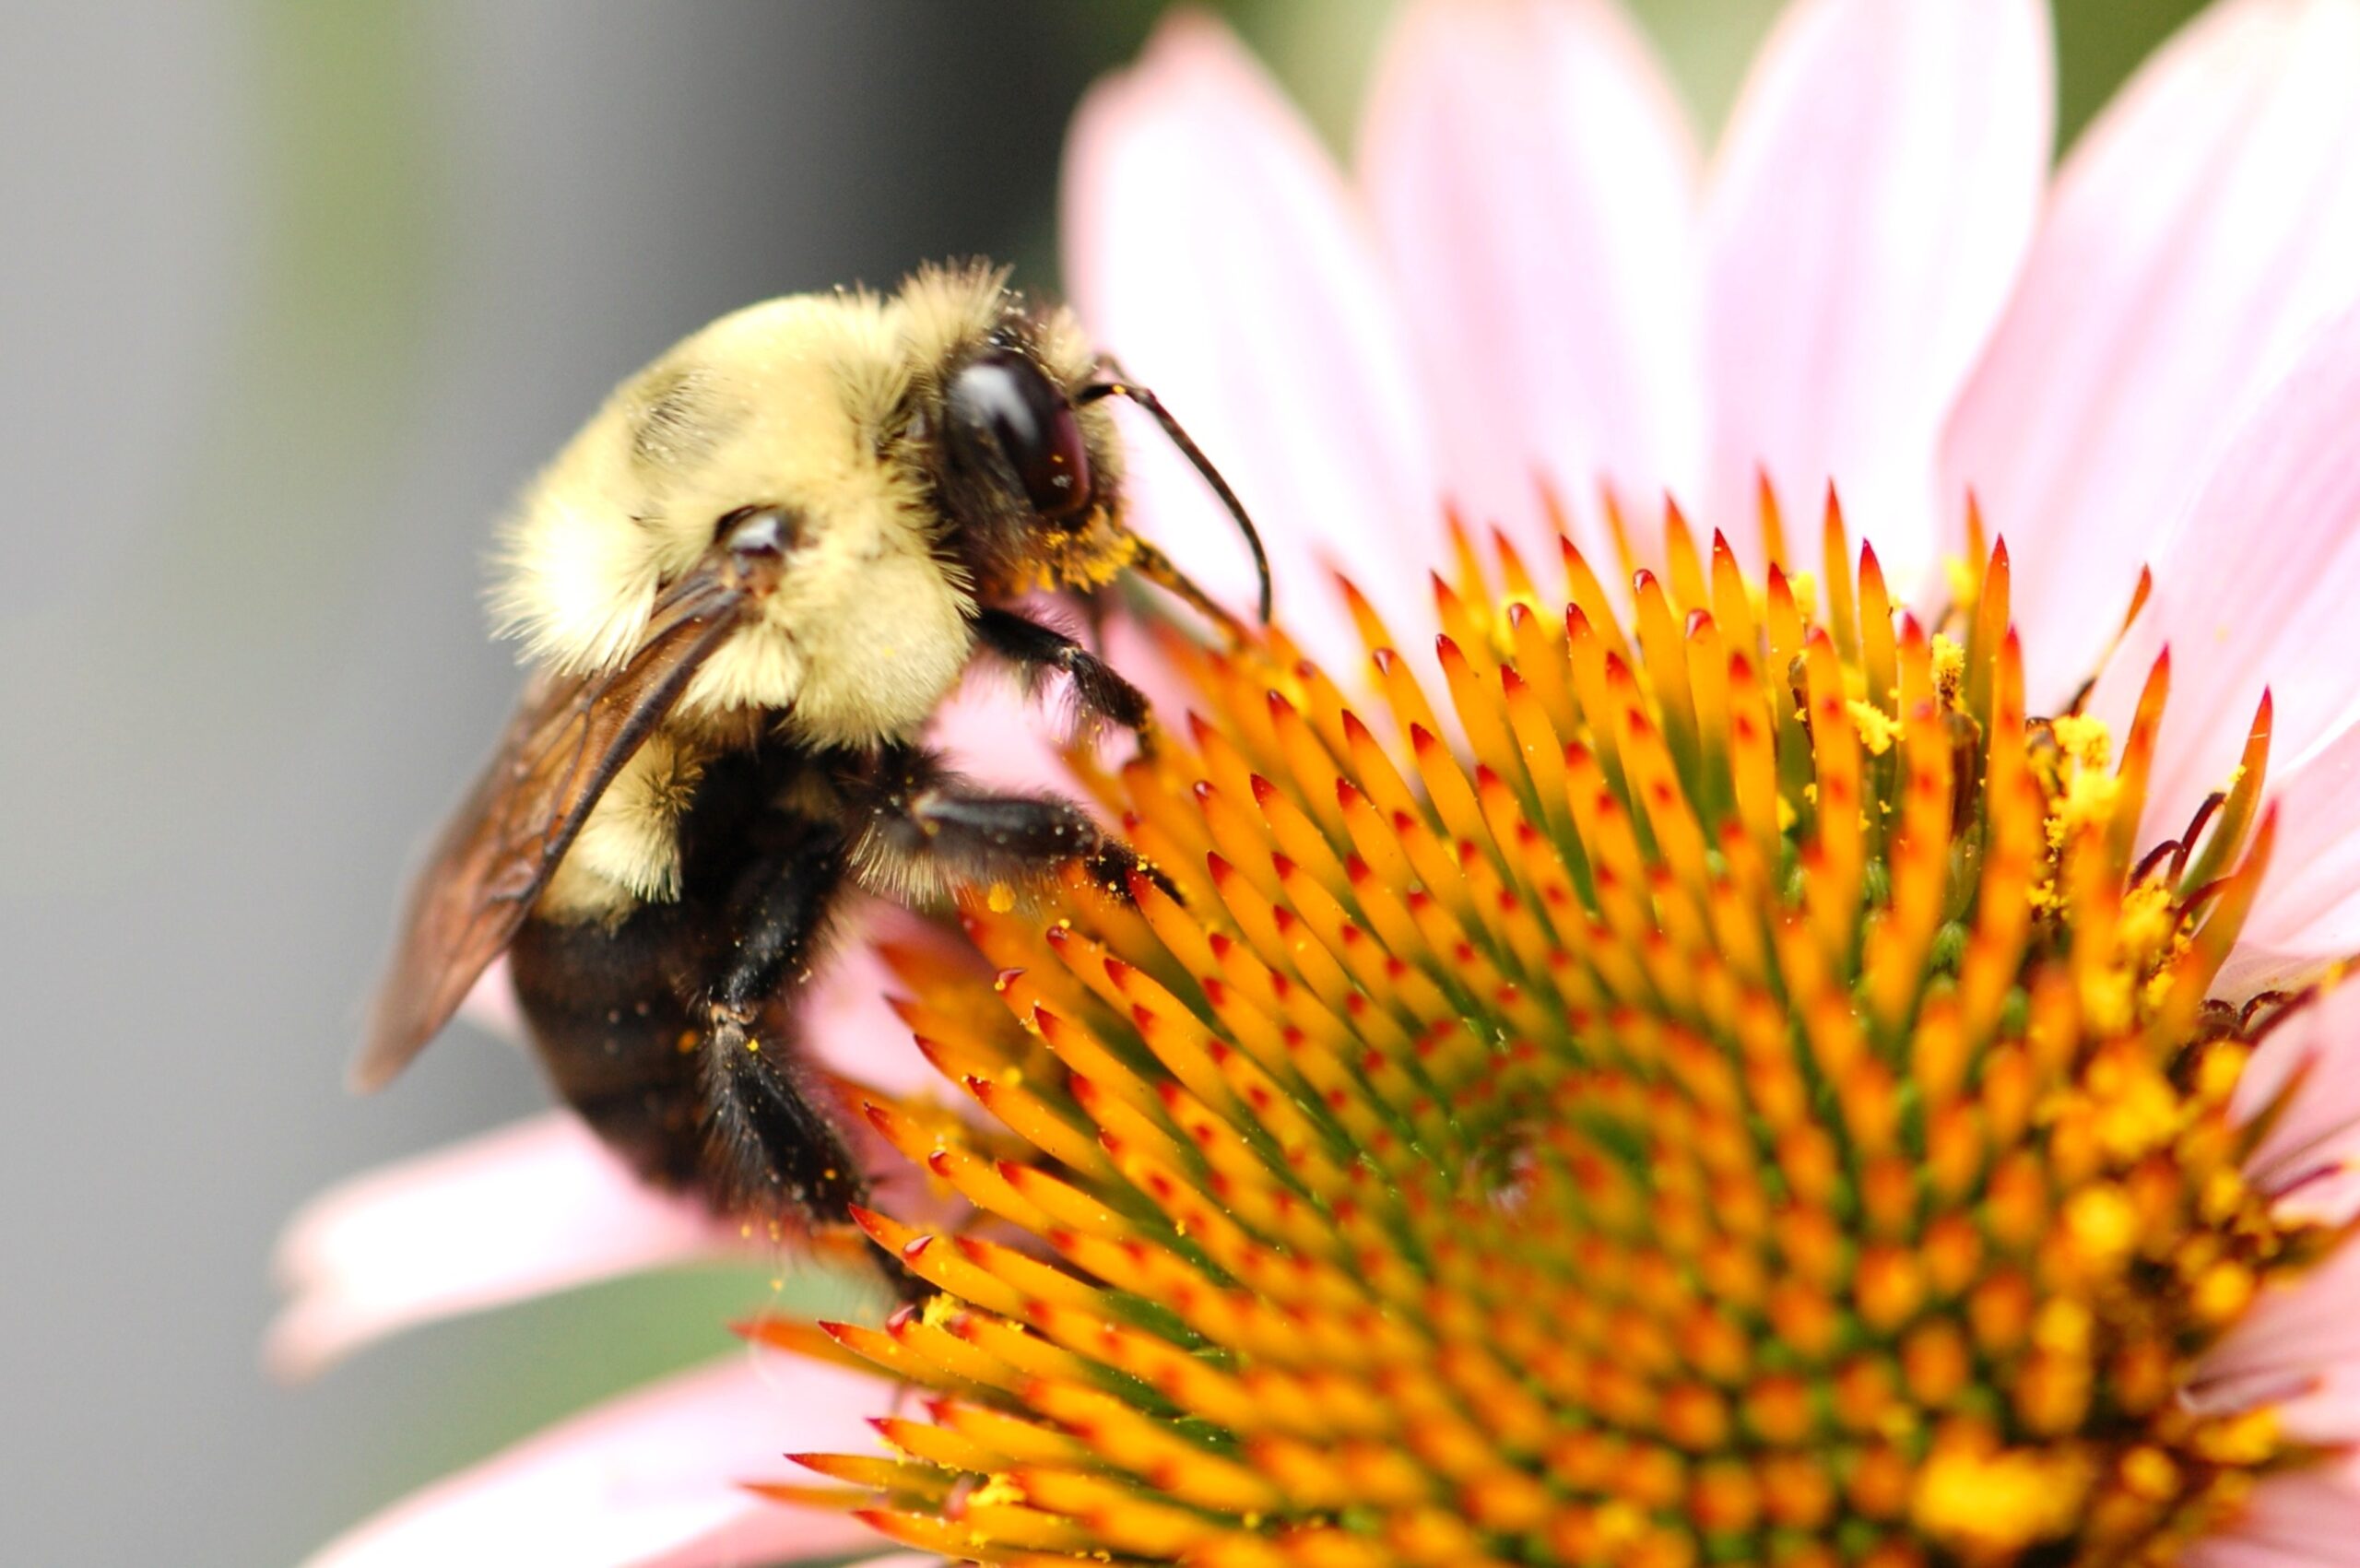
768 1144
921 814
1101 695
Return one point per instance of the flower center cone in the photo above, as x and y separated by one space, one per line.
1708 1082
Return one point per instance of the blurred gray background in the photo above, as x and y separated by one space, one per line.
292 298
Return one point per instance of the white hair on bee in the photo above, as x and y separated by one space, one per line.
629 851
943 307
781 403
577 581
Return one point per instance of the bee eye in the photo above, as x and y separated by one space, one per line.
1004 398
758 531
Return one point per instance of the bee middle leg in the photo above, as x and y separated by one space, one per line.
932 826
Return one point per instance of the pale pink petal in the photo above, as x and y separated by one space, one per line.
2310 1151
2203 228
847 1018
531 1208
1211 244
652 1479
2299 1345
2228 1551
2282 1350
2256 587
1534 186
490 1003
1876 191
2305 1518
2329 1411
2308 912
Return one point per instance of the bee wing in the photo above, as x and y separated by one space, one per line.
569 738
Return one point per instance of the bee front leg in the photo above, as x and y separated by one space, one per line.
1101 695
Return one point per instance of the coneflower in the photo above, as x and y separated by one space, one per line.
1754 1100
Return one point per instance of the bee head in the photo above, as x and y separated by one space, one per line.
1026 465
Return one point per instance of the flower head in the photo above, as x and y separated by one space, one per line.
1757 1041
1754 1102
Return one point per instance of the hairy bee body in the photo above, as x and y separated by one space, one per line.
745 586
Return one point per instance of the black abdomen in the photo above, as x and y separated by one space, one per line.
672 1031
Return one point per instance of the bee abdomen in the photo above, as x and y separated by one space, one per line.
618 1043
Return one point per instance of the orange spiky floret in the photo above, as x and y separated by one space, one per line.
1735 1093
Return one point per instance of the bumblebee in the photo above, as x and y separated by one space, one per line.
744 588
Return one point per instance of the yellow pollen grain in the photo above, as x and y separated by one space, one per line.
2088 801
2103 1226
2149 922
1877 730
1998 1503
2217 1071
2063 1327
2141 1116
2248 1440
2221 1293
1948 655
2149 1473
2108 1000
2082 738
996 1488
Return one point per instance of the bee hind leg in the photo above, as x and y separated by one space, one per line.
768 1146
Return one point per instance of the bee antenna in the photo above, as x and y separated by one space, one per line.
1121 386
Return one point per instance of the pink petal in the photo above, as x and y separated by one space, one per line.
531 1208
1212 245
2288 1346
2308 912
2312 1145
2305 1518
2255 587
652 1479
848 1020
1535 187
2202 229
490 1003
1876 191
